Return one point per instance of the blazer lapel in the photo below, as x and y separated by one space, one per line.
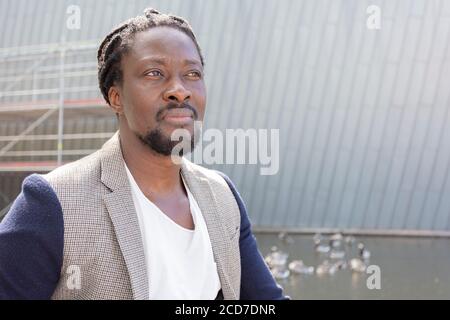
120 206
203 194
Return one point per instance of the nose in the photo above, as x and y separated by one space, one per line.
177 92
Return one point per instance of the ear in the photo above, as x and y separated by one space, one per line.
115 100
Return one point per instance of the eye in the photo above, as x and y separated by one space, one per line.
154 73
194 74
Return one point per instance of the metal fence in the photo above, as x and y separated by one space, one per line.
363 114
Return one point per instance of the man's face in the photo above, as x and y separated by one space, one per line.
163 87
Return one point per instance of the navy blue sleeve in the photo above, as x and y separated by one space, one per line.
31 243
257 283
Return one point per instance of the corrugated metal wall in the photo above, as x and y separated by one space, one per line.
363 114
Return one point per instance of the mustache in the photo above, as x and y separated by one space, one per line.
174 105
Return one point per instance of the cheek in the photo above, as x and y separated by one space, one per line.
138 97
138 108
201 101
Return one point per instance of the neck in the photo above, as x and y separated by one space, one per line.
152 171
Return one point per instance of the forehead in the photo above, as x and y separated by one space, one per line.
166 42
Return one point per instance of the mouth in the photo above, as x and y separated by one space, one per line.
179 116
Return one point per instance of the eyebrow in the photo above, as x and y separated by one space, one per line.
163 61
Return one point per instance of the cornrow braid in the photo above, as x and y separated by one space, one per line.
119 40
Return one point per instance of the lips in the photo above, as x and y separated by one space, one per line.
179 112
179 116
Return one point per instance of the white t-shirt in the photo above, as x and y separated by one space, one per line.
180 262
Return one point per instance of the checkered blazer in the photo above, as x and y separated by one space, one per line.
102 239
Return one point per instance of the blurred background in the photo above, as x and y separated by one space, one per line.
362 113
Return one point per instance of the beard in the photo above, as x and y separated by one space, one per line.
163 144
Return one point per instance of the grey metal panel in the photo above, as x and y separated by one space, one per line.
363 115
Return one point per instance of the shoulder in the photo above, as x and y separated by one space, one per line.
213 176
218 179
230 185
36 208
36 196
86 168
31 242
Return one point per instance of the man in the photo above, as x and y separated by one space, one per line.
128 222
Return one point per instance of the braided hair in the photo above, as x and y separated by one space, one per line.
119 41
